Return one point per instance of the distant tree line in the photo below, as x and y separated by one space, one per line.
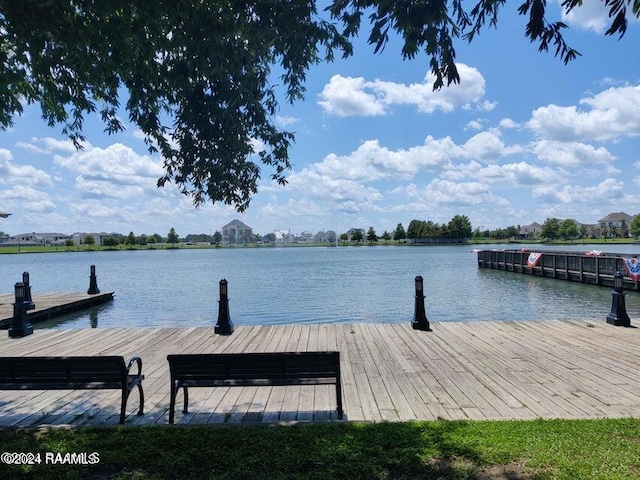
458 230
567 229
131 241
511 231
551 229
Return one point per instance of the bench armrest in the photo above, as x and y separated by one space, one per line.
138 361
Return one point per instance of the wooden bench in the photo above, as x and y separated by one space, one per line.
73 373
253 369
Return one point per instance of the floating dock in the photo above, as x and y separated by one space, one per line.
596 268
51 305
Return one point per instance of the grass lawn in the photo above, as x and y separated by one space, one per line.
507 450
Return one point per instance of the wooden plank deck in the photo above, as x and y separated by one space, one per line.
463 370
51 305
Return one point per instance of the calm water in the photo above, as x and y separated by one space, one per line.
304 285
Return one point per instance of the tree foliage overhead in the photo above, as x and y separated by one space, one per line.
197 76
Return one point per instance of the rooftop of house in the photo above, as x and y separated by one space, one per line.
236 224
616 217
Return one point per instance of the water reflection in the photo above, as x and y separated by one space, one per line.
93 318
80 319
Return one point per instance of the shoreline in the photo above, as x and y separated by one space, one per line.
472 242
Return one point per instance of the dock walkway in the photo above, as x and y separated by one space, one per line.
462 370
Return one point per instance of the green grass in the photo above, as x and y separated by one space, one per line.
540 449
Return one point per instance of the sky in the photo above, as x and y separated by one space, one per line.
522 138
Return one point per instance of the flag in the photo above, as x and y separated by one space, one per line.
532 261
633 268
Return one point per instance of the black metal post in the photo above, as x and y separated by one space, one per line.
27 291
420 321
93 282
618 315
20 325
224 325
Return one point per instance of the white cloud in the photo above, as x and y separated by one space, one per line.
97 209
487 146
371 161
344 97
281 213
572 154
116 162
348 96
591 15
609 115
257 145
48 145
116 171
608 189
139 134
286 121
508 123
99 188
486 106
521 173
21 174
446 192
466 193
339 191
26 199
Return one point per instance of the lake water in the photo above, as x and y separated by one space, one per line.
305 285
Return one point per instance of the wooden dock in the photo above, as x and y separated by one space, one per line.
461 370
51 305
572 266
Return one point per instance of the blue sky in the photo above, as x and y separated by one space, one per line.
521 139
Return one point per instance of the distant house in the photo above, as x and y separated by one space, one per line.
325 237
78 237
531 231
237 232
36 239
307 237
283 237
615 225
